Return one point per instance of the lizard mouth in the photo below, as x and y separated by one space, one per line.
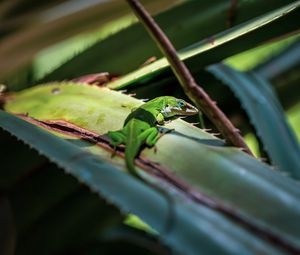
185 110
188 109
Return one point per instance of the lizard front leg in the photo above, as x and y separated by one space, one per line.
150 136
160 119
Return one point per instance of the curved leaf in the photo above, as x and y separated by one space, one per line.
43 199
194 227
185 24
54 24
265 112
223 174
280 63
224 44
262 55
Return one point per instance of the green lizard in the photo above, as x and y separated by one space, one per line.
140 127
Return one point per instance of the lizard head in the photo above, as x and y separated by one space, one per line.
177 107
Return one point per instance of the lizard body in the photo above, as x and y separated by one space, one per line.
140 127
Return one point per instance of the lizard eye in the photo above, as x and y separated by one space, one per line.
181 104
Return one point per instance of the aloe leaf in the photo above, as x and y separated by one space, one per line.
266 115
134 237
261 55
54 24
131 195
224 174
36 196
294 119
286 77
222 45
205 17
281 63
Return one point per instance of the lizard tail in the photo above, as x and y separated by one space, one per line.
131 151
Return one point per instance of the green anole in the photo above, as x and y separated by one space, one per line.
140 127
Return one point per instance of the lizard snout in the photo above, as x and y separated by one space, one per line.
190 109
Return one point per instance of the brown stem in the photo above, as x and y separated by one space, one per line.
186 80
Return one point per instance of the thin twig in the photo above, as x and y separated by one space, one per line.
185 78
